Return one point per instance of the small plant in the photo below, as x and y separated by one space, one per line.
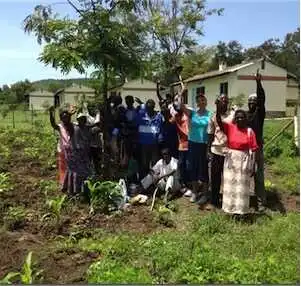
104 197
165 216
27 276
47 186
14 218
55 206
5 183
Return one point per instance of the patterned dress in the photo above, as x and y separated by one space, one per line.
238 168
78 161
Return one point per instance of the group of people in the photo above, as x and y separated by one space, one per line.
171 149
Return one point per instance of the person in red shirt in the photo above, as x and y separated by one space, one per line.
239 166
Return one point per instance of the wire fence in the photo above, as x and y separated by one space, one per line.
22 116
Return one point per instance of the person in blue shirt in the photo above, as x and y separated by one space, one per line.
149 124
197 147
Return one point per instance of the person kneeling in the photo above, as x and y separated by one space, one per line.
164 175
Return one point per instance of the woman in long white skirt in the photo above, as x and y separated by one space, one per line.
239 164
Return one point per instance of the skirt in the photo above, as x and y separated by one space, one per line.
238 168
61 162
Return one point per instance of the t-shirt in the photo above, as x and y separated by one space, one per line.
182 124
161 168
219 144
130 123
198 127
240 139
149 128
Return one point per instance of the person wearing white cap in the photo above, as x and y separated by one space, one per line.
256 116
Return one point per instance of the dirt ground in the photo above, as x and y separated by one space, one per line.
70 265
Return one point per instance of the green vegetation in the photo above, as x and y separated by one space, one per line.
14 217
281 157
28 275
214 250
176 243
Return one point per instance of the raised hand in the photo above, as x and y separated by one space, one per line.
258 76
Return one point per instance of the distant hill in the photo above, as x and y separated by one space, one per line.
55 84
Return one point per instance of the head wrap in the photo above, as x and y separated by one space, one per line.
252 96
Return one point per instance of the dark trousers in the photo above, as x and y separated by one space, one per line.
96 155
198 162
183 167
149 155
217 167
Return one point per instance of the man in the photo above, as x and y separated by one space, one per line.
169 132
256 116
217 146
129 129
164 175
181 121
149 124
117 117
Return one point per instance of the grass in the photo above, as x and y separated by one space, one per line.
214 249
283 165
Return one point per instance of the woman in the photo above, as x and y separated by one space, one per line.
239 164
66 131
197 147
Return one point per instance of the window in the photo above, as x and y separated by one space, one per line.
223 88
113 93
200 90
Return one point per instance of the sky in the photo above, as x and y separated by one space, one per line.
249 22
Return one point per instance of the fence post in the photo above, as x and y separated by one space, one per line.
14 118
296 127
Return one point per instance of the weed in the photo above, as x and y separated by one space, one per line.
5 182
47 186
164 216
55 206
104 196
14 217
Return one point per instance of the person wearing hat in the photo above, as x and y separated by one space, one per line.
217 146
256 116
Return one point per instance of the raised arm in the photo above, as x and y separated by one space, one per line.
52 118
185 109
260 92
218 117
158 91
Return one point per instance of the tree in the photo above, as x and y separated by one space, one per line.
230 53
21 90
106 36
175 27
238 100
197 62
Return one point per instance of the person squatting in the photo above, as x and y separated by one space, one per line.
170 149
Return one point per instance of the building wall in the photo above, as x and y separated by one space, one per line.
212 89
274 83
242 82
73 98
143 95
36 102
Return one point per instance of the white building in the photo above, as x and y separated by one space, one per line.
141 88
281 87
40 99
